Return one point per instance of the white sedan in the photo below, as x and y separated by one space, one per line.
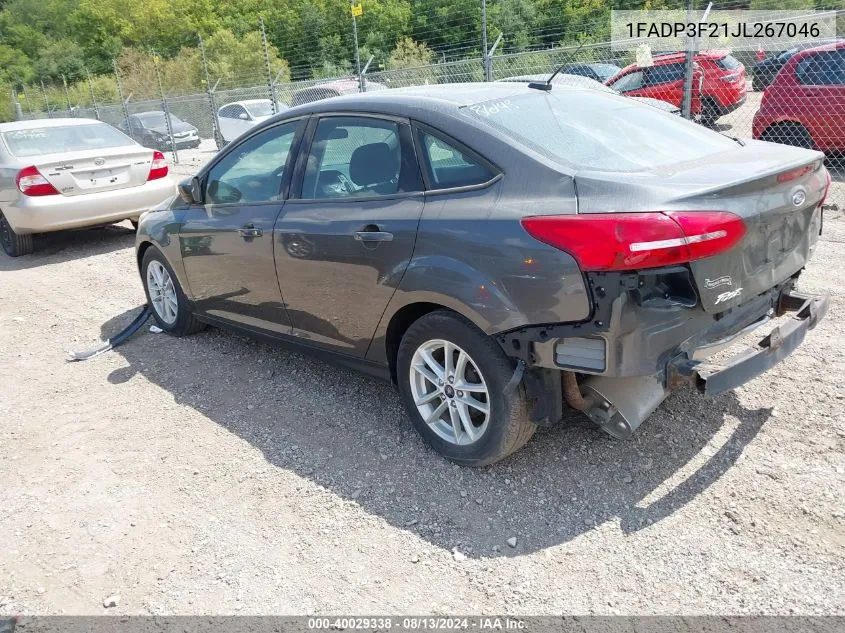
60 174
237 117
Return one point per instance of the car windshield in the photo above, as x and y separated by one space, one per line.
70 138
156 119
593 130
259 108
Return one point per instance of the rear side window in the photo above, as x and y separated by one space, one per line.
822 69
57 140
664 74
448 166
728 62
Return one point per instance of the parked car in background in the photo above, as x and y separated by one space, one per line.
662 82
599 72
332 89
764 71
150 130
723 86
494 252
237 117
805 104
67 173
576 81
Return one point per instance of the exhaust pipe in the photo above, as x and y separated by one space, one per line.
620 405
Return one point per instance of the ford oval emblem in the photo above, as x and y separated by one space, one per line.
798 198
102 161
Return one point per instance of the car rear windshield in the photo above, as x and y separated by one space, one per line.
593 130
728 62
56 140
260 108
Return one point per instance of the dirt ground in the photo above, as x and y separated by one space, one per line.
216 475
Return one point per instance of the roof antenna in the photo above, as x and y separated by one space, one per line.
547 85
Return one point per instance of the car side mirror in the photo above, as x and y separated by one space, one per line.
243 116
190 191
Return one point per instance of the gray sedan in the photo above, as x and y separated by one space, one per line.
498 251
68 173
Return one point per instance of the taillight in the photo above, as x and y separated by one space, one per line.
158 168
30 182
631 241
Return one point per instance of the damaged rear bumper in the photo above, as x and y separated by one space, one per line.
712 379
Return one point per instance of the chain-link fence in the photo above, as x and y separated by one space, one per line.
796 96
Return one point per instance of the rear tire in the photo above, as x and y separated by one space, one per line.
171 308
14 244
709 112
789 134
461 432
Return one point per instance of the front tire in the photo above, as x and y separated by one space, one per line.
452 380
171 309
14 244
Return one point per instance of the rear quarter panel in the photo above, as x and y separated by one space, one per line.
473 256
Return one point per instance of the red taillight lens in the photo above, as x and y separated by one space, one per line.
158 168
631 241
30 182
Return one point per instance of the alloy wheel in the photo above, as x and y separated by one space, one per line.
449 392
162 292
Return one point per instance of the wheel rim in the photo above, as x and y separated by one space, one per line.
450 392
162 292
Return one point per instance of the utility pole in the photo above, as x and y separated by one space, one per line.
356 10
122 100
266 48
486 58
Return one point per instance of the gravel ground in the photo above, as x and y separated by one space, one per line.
213 474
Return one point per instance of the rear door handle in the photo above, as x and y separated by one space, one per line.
374 236
249 230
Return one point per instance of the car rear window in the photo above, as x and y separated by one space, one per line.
56 140
593 130
728 62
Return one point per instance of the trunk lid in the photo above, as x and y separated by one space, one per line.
82 172
776 190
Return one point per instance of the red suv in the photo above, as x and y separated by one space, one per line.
805 104
722 82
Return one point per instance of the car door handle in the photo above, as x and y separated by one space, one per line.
374 236
248 230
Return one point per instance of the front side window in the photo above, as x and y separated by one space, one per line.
449 167
254 170
353 157
631 81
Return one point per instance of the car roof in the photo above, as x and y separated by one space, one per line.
41 123
809 52
562 79
246 102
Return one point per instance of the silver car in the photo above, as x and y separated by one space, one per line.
60 174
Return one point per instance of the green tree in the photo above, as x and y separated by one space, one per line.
409 54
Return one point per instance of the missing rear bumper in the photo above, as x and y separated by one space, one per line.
712 379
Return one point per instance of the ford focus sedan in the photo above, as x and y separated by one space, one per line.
69 173
499 251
